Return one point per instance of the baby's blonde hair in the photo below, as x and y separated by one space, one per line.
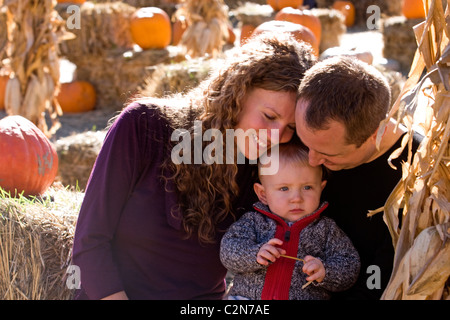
293 152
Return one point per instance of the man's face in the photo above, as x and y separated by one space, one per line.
329 146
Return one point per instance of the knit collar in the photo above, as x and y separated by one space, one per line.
264 209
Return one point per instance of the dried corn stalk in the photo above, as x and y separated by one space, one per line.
32 61
422 243
207 26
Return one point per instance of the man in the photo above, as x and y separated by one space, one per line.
340 104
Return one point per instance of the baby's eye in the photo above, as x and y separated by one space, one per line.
307 188
284 189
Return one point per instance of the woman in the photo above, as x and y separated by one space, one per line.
149 226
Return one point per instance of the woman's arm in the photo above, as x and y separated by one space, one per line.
110 184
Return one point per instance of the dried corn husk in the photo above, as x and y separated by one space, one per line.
207 26
33 31
422 250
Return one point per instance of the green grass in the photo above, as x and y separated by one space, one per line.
57 199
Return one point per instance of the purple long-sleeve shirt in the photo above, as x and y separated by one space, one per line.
126 237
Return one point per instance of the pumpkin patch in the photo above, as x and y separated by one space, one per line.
28 161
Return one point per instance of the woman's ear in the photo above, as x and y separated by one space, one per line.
260 192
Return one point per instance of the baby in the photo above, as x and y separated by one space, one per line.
285 244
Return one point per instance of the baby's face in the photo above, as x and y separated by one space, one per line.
293 192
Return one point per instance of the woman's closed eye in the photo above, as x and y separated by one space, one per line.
269 117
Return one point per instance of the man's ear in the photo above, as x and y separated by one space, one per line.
260 192
375 134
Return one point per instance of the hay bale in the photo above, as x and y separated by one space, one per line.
333 27
387 8
35 246
395 79
103 26
77 154
168 6
253 13
118 74
178 77
232 4
332 21
399 40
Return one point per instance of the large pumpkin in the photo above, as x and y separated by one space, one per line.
77 96
303 17
299 32
348 10
3 82
413 9
280 4
28 160
150 28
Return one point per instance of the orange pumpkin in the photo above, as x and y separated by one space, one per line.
178 28
150 28
303 17
28 162
3 82
299 32
280 4
77 96
413 9
348 10
231 35
246 32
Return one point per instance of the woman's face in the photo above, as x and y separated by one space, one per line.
267 119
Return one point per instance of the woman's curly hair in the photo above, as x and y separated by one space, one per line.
206 191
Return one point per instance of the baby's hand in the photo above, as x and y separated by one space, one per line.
269 252
314 268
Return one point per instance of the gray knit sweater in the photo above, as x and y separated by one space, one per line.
320 238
